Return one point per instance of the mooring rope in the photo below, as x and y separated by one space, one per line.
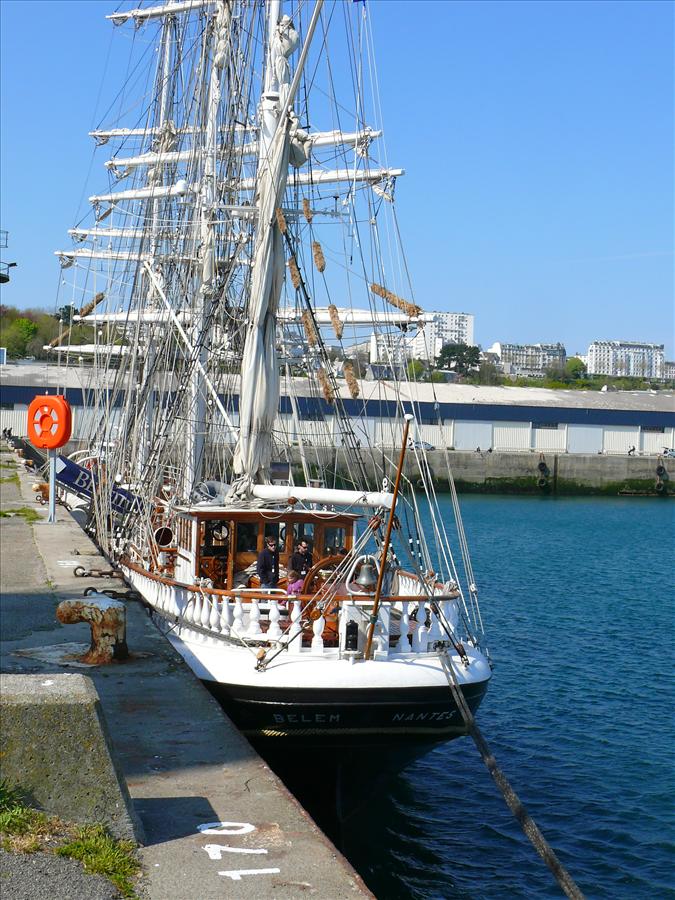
526 822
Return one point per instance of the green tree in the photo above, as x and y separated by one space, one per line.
574 368
26 328
65 314
47 328
460 357
487 374
16 335
415 369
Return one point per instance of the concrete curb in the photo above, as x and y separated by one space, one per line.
55 746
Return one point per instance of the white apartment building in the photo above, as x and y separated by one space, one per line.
626 358
391 349
527 359
441 328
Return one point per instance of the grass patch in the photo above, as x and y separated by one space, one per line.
27 830
24 511
11 479
102 855
17 819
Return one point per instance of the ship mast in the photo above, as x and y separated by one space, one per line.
205 294
259 394
155 177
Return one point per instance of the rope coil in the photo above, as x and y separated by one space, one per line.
411 309
325 385
295 272
338 326
319 259
350 378
281 220
310 330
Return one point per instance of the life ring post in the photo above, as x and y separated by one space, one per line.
50 424
51 517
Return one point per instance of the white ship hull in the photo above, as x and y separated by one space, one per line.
317 695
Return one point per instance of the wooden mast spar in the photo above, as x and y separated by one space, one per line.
387 538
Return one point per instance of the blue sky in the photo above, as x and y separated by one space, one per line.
537 139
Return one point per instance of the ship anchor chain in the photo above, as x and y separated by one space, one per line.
81 572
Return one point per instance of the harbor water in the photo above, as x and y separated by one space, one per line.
578 603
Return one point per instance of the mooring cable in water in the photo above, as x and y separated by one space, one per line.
526 822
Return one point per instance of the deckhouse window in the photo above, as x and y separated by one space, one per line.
334 541
184 528
272 531
303 531
247 537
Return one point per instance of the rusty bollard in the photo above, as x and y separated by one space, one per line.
108 621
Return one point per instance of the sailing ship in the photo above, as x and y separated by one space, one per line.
246 238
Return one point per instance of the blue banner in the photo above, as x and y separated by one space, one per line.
81 481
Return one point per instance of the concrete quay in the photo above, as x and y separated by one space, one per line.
214 821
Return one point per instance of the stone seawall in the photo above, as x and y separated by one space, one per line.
533 472
512 472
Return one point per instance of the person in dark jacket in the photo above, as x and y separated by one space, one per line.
302 560
267 567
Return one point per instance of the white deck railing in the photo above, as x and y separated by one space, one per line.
401 627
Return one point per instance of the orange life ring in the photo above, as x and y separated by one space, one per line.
50 421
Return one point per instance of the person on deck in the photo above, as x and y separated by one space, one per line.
295 582
301 560
267 566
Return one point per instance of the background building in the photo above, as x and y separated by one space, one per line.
391 349
529 359
457 416
626 358
441 328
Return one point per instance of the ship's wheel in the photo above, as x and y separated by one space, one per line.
314 579
315 584
213 567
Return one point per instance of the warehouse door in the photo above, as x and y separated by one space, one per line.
584 439
470 435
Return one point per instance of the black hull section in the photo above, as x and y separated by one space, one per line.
345 718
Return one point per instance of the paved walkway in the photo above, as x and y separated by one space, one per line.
218 823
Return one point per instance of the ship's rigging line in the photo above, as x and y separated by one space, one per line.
136 339
184 233
529 826
328 367
164 359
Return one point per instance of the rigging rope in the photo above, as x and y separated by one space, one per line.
526 822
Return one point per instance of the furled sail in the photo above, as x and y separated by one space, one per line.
259 371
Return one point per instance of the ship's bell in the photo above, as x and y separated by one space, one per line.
368 574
